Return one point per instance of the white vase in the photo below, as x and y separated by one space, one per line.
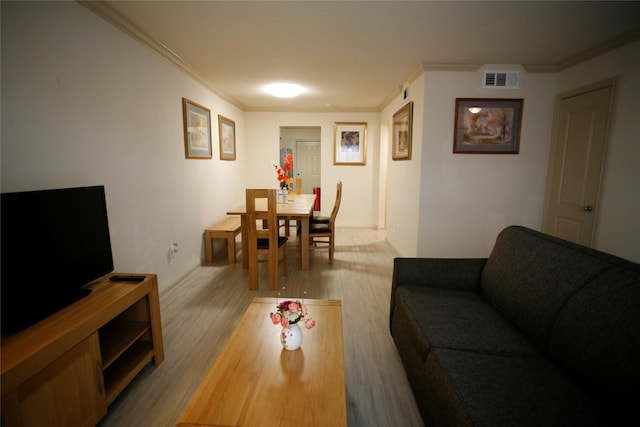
291 337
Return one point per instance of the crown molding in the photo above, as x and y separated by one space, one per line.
451 66
115 18
600 49
414 74
411 77
540 68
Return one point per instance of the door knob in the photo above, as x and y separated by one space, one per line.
588 208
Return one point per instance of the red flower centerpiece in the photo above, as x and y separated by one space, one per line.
283 173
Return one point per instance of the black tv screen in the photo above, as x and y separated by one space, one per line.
54 242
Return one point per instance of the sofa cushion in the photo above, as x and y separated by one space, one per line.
456 319
448 273
468 388
596 336
427 317
530 276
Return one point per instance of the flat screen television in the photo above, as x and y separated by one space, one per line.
54 242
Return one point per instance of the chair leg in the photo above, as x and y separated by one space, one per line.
273 272
273 268
253 270
288 223
331 249
284 259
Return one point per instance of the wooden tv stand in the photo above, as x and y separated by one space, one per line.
69 367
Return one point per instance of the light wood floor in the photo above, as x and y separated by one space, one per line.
198 316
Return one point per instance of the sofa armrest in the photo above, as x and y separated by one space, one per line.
449 273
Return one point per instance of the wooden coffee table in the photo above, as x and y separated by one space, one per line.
255 382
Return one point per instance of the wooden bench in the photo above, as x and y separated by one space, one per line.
226 229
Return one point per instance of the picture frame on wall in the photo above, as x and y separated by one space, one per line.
487 126
350 143
402 132
196 121
227 136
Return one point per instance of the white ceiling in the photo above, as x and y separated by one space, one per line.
356 55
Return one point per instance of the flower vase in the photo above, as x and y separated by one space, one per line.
291 337
282 195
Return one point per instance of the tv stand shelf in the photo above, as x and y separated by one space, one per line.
68 368
116 337
119 374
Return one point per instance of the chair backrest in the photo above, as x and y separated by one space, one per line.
336 205
295 185
261 207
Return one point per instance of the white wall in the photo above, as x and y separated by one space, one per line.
618 225
453 205
466 199
404 176
359 198
83 104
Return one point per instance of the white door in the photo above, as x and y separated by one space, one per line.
308 164
576 162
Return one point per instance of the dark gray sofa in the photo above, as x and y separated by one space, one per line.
542 333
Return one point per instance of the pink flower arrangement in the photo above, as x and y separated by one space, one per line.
291 312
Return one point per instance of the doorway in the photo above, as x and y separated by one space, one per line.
303 142
576 162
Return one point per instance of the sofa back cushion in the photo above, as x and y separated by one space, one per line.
596 336
530 276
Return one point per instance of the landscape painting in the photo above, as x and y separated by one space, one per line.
487 126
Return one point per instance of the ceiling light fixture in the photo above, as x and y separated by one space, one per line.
474 110
284 90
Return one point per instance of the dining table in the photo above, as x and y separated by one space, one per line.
299 207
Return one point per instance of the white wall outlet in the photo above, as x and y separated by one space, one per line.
173 249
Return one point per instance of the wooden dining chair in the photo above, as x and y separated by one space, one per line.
322 235
295 187
325 219
263 238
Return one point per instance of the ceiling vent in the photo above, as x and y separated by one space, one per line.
501 79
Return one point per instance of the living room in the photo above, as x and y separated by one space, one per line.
108 111
85 104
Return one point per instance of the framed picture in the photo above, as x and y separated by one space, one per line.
350 144
402 130
487 126
197 130
227 133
